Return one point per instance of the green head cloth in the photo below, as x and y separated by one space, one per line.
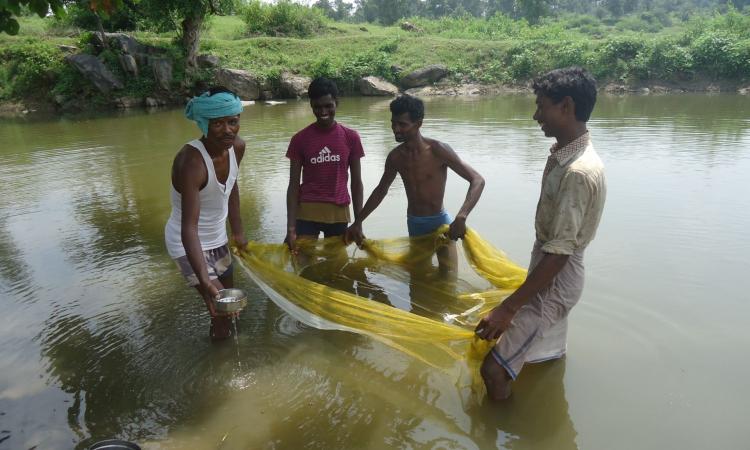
205 107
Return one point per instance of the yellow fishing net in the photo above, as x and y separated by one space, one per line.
403 292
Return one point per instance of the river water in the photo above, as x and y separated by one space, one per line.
100 337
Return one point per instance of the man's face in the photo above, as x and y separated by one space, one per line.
403 127
324 109
224 129
549 115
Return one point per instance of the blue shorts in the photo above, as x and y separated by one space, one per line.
421 225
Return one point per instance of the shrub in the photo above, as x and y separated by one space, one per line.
671 61
82 17
571 54
620 48
721 54
524 65
644 22
324 67
30 67
283 19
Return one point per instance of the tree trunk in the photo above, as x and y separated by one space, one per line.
191 35
100 26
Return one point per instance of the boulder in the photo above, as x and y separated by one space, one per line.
119 41
151 102
424 76
293 86
657 89
613 88
126 44
162 68
376 86
128 102
462 90
241 82
408 26
95 71
129 65
207 61
68 48
744 90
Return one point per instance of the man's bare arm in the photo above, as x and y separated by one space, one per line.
380 191
499 319
292 202
355 167
235 219
476 186
190 175
354 232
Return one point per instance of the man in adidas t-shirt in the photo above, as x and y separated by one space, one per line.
322 155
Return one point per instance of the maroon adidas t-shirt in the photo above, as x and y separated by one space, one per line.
325 157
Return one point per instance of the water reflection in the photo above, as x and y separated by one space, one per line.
536 416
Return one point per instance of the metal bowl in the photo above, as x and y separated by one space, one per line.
230 300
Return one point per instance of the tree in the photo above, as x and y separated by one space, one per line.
506 7
532 10
326 7
9 9
386 12
186 17
343 10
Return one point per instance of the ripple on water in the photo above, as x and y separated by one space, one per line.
288 326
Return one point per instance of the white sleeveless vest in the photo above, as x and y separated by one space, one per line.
214 208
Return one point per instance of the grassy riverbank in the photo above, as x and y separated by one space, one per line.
633 51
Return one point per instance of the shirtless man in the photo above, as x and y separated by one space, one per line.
423 166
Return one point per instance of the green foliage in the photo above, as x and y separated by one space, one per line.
644 22
389 46
80 15
70 83
721 54
525 63
668 61
283 19
498 49
348 70
497 27
29 67
9 9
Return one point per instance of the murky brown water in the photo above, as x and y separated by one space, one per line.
99 337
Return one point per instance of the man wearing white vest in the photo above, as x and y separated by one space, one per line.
203 194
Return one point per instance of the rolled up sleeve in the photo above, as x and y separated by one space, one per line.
570 208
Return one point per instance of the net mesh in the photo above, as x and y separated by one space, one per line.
403 292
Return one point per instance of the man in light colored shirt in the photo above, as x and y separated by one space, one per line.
532 322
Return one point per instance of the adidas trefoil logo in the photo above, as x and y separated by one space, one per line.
325 156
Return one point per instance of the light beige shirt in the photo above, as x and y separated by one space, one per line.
572 198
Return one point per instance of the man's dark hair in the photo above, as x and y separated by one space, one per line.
213 90
407 104
321 87
573 82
